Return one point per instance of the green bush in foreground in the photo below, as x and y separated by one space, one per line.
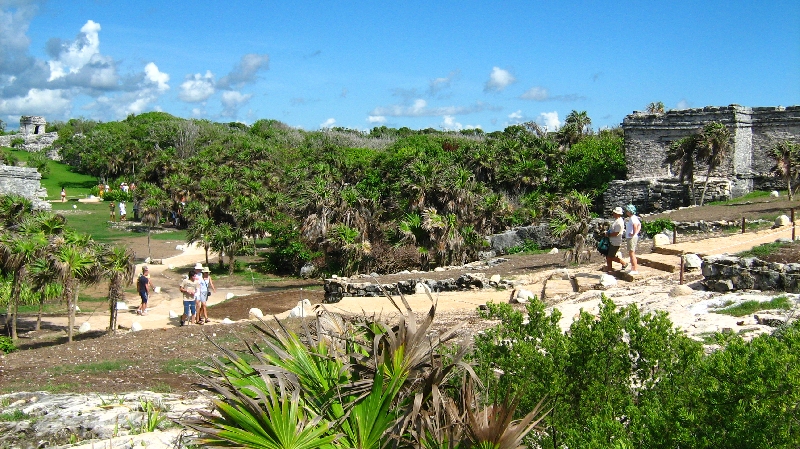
7 345
627 379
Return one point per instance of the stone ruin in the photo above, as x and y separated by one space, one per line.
32 131
653 186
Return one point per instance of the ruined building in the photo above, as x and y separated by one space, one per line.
653 186
32 131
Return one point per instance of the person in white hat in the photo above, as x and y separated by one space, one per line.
614 234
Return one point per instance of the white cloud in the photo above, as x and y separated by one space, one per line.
245 71
536 93
328 123
450 123
516 115
549 120
37 102
156 77
438 84
376 119
683 104
232 100
197 87
71 57
499 79
420 108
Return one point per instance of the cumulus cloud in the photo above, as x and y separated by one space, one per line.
245 72
232 100
14 42
437 85
419 108
70 57
376 119
328 123
549 120
683 104
539 93
37 102
154 76
516 116
197 87
499 79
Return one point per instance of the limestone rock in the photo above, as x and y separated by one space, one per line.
421 289
173 315
256 313
495 278
121 305
229 296
522 296
661 240
227 321
301 310
308 270
774 194
553 251
136 326
607 280
680 290
85 327
783 220
692 261
439 269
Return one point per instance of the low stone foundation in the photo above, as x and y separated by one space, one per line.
653 195
726 273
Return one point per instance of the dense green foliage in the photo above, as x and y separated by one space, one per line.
653 227
627 379
7 345
351 201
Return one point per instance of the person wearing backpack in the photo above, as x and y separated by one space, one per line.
144 289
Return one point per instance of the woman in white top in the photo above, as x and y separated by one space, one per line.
615 234
632 228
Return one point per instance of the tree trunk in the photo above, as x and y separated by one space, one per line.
112 320
789 188
705 186
41 310
15 291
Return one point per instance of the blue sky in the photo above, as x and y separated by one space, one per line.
445 65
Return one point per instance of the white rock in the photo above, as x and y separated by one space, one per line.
495 278
256 313
172 314
524 296
439 269
77 309
553 251
136 326
783 220
121 305
661 240
147 260
299 311
180 248
229 296
157 289
85 327
421 288
227 321
680 290
692 261
774 194
171 267
607 280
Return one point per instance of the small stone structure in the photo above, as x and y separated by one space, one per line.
653 186
32 131
725 273
25 182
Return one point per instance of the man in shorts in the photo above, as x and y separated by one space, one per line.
143 285
189 287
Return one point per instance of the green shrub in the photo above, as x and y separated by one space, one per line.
764 250
527 247
7 345
117 195
747 307
17 142
653 227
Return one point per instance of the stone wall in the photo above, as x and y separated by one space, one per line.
658 195
32 131
726 273
753 132
25 182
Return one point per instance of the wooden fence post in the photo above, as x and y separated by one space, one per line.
682 262
793 226
743 225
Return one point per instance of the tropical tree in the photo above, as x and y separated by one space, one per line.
787 163
683 153
714 148
117 264
656 107
73 261
17 252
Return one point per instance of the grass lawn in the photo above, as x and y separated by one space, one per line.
61 175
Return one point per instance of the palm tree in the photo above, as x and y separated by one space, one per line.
73 262
43 280
787 163
17 252
683 152
657 107
118 265
716 143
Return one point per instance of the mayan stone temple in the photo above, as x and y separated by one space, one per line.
653 186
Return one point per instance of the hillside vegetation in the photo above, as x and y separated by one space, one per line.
349 201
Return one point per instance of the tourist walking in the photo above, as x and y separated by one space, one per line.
143 285
206 287
112 209
123 211
632 228
188 288
615 234
63 195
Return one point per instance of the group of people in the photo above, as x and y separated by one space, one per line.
123 211
623 231
196 288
